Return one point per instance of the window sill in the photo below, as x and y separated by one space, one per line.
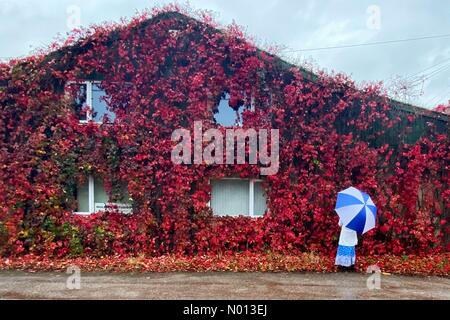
240 216
82 213
112 207
92 121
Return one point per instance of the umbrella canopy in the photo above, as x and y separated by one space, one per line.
356 210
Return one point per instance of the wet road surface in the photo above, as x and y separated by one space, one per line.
53 285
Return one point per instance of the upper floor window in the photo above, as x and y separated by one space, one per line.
90 94
226 116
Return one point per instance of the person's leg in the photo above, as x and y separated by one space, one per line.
349 259
353 266
344 258
343 269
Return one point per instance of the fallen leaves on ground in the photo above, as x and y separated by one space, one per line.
438 265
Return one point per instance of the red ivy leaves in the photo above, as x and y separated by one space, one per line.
159 81
437 265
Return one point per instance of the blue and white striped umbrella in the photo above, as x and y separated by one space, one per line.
356 210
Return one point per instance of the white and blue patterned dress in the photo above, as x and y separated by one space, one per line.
348 239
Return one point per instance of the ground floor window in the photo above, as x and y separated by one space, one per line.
92 197
234 197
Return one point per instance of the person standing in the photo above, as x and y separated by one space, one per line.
346 256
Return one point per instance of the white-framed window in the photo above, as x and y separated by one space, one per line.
92 197
89 93
226 116
235 197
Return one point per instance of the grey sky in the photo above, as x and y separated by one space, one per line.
303 24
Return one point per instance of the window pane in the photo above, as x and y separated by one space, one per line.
124 196
101 198
260 202
121 200
119 193
99 105
225 115
83 197
230 197
79 103
100 195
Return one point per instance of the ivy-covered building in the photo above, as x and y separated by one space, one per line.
86 129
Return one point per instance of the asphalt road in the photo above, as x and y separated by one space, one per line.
53 285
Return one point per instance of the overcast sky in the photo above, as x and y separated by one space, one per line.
294 24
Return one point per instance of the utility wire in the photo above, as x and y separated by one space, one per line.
439 97
426 69
372 43
432 74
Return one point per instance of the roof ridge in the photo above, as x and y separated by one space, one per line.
310 75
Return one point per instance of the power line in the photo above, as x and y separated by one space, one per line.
432 74
426 69
371 43
437 98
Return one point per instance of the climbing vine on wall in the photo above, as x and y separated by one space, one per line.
163 71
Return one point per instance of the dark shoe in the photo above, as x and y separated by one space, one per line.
342 269
346 269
